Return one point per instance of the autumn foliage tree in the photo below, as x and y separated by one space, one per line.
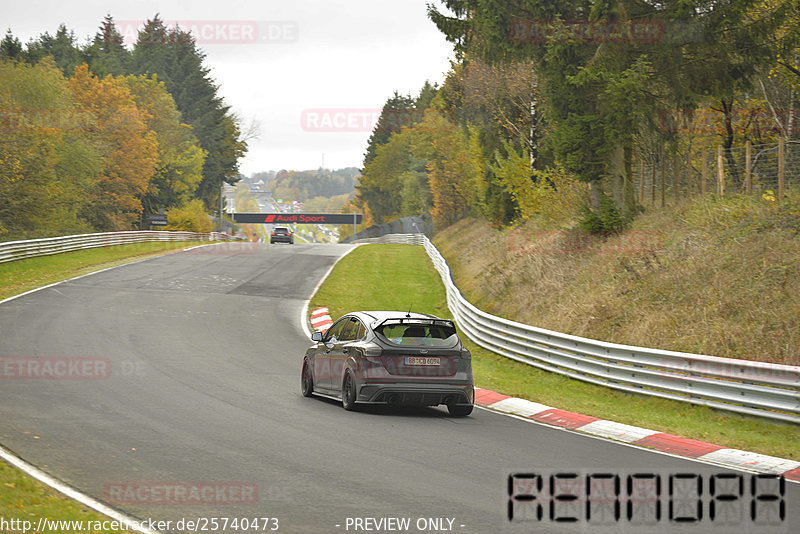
47 165
179 169
128 147
454 173
95 134
549 100
189 217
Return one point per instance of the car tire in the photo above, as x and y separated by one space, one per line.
306 380
459 410
349 392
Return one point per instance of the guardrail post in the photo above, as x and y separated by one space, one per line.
653 182
641 181
663 180
781 163
748 171
676 176
703 172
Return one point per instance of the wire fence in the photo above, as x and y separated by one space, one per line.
664 178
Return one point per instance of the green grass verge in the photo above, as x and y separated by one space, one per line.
23 275
399 276
23 498
383 277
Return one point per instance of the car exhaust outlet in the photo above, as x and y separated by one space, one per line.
394 400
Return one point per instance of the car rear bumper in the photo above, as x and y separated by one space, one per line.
280 239
416 394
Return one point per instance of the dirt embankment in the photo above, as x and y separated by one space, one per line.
718 277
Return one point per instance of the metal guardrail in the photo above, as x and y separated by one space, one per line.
417 224
743 386
395 239
18 250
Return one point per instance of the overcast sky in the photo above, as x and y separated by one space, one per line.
309 73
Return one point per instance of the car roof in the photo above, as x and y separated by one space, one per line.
380 316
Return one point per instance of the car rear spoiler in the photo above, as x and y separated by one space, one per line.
417 321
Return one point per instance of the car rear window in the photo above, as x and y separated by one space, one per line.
426 333
283 231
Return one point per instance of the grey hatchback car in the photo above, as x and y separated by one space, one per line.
281 234
390 357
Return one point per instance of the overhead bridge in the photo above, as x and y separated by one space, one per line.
297 218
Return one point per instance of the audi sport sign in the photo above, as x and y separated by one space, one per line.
297 218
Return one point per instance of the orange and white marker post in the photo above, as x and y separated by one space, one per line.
320 319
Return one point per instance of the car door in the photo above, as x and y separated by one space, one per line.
322 360
338 355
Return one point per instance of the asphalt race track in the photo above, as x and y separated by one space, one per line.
191 380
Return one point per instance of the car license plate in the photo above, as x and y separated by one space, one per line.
422 360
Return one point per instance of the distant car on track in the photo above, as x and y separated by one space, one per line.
390 357
281 234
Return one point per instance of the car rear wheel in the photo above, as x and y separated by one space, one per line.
459 410
306 380
349 392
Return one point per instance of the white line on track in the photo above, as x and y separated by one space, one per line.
126 521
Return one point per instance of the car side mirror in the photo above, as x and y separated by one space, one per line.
316 336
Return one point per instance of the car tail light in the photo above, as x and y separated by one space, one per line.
373 356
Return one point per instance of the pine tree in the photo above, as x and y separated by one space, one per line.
62 47
10 47
425 97
107 53
151 51
396 113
